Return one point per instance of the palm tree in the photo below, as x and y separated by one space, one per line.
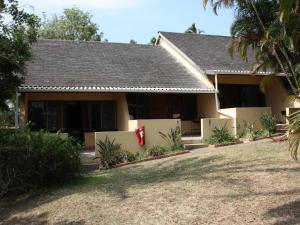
275 39
193 30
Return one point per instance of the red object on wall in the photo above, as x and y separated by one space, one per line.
140 135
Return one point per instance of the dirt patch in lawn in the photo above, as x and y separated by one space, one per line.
257 183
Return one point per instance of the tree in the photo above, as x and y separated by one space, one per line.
74 24
132 41
193 30
153 41
271 29
16 36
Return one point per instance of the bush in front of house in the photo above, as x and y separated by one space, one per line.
29 160
173 139
268 121
156 150
111 154
220 135
7 118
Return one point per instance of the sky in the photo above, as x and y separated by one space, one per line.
122 20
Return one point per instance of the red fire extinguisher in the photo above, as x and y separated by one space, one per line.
140 135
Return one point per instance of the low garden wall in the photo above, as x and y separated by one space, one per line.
248 114
207 125
128 140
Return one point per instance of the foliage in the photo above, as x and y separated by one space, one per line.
173 139
156 150
153 41
18 30
294 131
250 132
220 135
74 24
7 118
268 121
193 30
132 41
271 29
110 153
29 160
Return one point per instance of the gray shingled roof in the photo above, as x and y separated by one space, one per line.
210 52
95 66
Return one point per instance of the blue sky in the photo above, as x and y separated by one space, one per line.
122 20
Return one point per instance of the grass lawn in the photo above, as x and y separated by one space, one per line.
256 183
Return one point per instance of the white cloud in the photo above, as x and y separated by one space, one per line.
46 5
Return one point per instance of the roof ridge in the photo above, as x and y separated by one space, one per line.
97 42
212 35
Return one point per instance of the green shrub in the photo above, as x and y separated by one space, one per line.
268 121
249 131
156 150
140 155
129 156
110 153
29 160
220 135
7 118
173 139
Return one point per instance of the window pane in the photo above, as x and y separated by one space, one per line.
54 114
108 116
96 116
36 115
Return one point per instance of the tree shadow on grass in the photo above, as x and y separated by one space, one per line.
287 214
117 182
41 219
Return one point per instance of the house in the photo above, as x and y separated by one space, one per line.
92 89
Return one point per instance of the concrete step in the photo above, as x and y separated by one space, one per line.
194 146
88 157
281 128
191 139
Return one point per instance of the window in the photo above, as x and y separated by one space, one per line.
236 95
73 117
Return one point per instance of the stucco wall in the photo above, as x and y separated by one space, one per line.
208 124
239 115
127 139
188 127
206 106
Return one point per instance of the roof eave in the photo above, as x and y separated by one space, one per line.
239 72
82 89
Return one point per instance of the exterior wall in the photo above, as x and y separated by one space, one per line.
89 140
188 127
239 115
207 124
206 106
127 139
277 99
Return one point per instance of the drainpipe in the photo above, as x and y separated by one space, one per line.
17 110
217 91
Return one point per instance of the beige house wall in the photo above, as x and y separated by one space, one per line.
208 124
206 106
128 140
248 114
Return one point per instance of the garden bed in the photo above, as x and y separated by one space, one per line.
151 158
